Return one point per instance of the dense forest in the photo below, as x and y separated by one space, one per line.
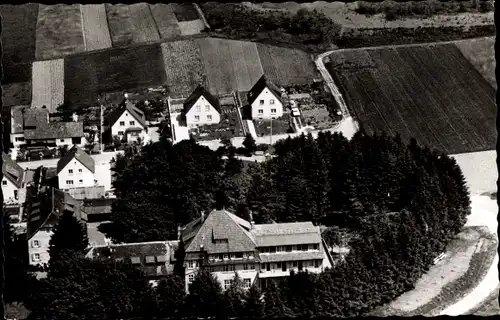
403 201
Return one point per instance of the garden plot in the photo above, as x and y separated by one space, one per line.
280 125
48 84
130 24
165 19
184 67
229 126
429 92
59 31
95 27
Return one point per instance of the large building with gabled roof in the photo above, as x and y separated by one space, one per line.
201 108
76 169
128 123
265 100
225 243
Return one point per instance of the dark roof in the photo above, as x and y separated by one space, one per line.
35 117
94 192
12 171
260 85
17 119
98 206
126 105
219 225
153 258
45 209
55 130
197 93
80 155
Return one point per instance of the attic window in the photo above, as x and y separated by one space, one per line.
150 259
4 182
135 260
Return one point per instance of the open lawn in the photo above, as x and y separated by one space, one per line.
166 22
229 127
430 92
48 84
87 75
15 94
18 40
481 53
130 24
95 27
280 126
59 31
184 67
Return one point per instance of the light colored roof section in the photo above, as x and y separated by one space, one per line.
292 256
284 228
286 234
238 220
287 239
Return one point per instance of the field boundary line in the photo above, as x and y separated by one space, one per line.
202 15
83 29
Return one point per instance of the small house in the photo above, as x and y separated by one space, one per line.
13 180
128 123
76 169
201 108
265 100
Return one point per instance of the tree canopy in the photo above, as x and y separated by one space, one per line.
69 235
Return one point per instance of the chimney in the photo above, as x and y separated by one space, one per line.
252 223
202 216
179 233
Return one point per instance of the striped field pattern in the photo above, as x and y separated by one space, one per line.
95 27
48 84
59 31
165 19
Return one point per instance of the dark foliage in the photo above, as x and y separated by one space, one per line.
205 297
69 235
170 295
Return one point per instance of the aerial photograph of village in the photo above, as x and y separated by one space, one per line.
248 160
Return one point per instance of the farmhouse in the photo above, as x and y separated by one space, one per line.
128 123
31 127
76 169
201 108
265 100
44 211
13 181
226 243
155 259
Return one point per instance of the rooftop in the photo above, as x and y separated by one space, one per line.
259 86
55 130
127 105
12 171
76 153
197 93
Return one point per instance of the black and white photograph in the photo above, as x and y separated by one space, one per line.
248 160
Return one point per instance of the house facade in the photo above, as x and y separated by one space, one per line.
128 123
44 211
265 100
225 244
201 108
13 186
76 169
31 127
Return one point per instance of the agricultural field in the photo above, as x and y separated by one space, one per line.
287 66
48 84
481 53
165 19
130 24
218 65
246 61
279 126
183 66
90 74
429 92
59 31
184 12
15 94
189 28
229 126
18 40
95 27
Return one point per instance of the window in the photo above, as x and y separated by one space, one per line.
36 244
80 181
238 255
271 101
20 139
227 284
69 181
35 257
209 117
261 111
70 171
80 170
120 133
273 110
207 108
317 263
261 102
294 264
16 195
272 250
4 182
232 267
220 256
132 123
252 266
62 140
278 249
190 278
95 181
196 118
122 123
247 283
190 265
226 256
245 266
316 246
278 265
198 108
288 248
225 268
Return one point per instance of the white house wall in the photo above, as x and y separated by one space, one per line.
202 114
85 178
266 96
43 238
126 117
9 189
